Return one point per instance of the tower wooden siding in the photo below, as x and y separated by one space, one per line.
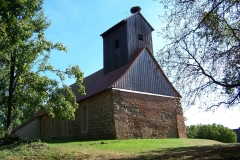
126 32
115 58
137 25
146 76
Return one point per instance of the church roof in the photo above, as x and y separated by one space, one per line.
98 82
123 22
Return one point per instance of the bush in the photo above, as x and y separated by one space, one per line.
9 139
213 132
2 132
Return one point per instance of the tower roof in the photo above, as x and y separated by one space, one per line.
123 22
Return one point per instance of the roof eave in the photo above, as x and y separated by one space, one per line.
123 22
37 115
113 27
160 69
146 21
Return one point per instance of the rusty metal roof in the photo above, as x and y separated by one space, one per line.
98 82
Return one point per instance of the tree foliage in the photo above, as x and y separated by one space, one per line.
213 132
24 54
202 55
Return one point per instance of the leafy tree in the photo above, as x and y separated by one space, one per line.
202 55
191 131
213 132
24 54
2 131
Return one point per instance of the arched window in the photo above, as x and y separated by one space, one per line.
52 127
65 127
84 119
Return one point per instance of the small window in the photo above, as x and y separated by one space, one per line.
84 119
65 127
52 127
140 37
116 44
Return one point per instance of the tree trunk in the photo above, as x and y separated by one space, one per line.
11 93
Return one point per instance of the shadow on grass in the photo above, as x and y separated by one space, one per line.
56 141
92 142
227 152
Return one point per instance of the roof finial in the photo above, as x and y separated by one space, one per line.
135 9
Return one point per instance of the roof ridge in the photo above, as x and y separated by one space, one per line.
131 16
124 21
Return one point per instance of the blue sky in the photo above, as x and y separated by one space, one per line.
78 25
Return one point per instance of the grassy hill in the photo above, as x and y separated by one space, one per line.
123 149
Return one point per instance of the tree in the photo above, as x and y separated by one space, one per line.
24 54
202 55
213 132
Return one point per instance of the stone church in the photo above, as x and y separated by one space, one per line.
130 97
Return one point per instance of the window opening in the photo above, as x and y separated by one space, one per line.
84 119
44 128
52 127
65 127
140 37
116 44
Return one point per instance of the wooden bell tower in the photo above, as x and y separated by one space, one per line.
123 40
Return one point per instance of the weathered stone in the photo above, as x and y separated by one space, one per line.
115 114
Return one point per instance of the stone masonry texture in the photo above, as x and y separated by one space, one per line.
114 114
147 116
100 120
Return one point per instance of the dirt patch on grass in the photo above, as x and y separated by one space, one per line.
226 152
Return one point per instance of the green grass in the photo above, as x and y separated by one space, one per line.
128 148
123 146
118 149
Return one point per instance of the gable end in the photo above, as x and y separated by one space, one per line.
145 75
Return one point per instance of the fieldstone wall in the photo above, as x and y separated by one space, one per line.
147 116
45 127
100 118
51 127
100 121
115 114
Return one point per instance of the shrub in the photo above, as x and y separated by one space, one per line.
2 132
213 132
9 139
